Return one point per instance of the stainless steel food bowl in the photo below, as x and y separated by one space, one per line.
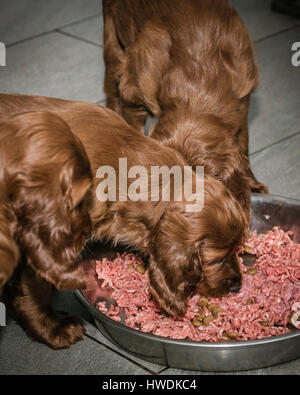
268 211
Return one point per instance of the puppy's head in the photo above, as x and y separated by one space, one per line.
49 177
197 250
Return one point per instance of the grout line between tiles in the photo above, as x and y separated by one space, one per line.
29 39
277 142
78 38
51 31
163 370
259 40
121 355
81 20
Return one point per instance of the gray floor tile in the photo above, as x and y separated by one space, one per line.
20 355
284 369
90 30
148 366
278 167
20 20
274 111
66 301
54 65
259 18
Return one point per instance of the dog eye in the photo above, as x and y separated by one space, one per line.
245 99
80 204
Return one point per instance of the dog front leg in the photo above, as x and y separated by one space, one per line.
32 304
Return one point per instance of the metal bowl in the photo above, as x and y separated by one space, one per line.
268 211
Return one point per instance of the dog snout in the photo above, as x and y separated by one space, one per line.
235 288
234 285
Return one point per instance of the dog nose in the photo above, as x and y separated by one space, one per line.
235 288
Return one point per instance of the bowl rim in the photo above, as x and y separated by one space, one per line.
186 342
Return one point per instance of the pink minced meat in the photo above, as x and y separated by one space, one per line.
272 292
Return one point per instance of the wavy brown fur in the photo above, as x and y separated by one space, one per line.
186 249
191 64
44 177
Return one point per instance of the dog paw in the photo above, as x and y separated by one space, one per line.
65 331
57 330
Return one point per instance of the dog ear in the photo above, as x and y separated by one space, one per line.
173 281
149 55
175 267
62 277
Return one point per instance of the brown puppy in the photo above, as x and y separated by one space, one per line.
44 177
186 249
191 64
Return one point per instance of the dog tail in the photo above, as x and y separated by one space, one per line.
9 251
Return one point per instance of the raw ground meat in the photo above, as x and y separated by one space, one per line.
262 308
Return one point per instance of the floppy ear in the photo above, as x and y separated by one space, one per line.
238 58
172 282
175 267
149 55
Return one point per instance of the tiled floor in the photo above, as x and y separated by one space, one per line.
54 48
